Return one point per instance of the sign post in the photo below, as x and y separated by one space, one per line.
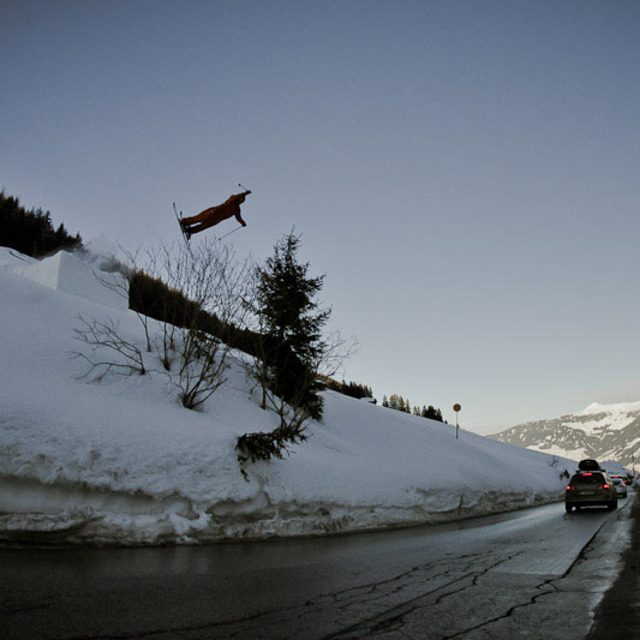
456 408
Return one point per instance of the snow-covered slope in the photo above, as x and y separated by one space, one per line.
121 461
604 432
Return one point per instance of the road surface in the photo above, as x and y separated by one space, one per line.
534 573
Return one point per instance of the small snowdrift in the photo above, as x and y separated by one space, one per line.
13 261
68 273
122 462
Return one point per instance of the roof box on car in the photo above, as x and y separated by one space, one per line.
588 465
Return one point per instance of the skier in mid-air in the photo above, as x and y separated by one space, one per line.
214 215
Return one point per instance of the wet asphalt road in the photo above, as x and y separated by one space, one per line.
535 573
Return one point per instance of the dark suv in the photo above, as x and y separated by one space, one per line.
589 489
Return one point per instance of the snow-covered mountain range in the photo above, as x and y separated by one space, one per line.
601 431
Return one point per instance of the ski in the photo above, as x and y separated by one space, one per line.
182 231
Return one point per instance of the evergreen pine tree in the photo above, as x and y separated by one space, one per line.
292 349
289 316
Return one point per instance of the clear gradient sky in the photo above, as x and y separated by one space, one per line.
465 172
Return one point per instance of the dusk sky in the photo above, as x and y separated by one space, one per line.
465 173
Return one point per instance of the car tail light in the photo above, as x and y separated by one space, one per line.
604 486
587 474
570 487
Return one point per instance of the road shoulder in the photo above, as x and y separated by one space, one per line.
618 614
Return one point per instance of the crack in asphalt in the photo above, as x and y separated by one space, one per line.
476 578
510 611
19 610
394 619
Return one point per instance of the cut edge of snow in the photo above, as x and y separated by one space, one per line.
121 519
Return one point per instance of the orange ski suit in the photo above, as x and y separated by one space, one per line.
214 215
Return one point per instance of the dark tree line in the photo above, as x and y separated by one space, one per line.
32 232
352 389
403 404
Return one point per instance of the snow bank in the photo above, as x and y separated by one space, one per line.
122 462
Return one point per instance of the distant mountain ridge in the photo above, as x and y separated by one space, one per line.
601 431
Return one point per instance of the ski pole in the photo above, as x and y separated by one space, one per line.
230 232
245 188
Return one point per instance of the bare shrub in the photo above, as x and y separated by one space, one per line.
196 297
211 286
109 351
